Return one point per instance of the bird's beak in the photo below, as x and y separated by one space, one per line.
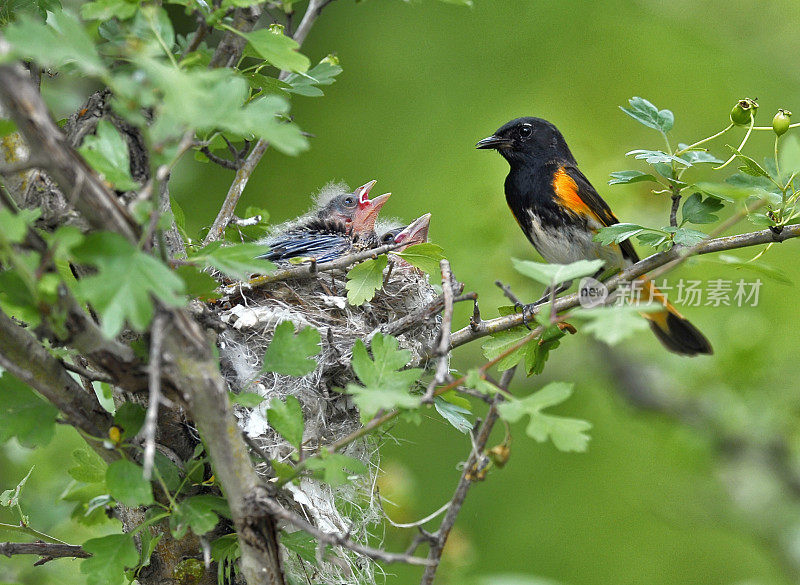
495 142
362 193
367 212
414 233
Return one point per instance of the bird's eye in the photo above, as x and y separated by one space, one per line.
525 131
387 238
349 201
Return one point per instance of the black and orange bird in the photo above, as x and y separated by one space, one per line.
560 212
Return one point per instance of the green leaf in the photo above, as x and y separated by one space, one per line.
617 233
424 256
307 84
622 177
688 237
108 9
127 485
757 267
7 127
384 387
698 156
287 419
198 284
300 543
476 381
291 354
198 513
749 166
695 209
236 261
567 434
225 551
277 49
716 191
110 556
10 498
169 473
89 468
129 418
246 399
646 113
23 414
552 274
613 324
502 341
107 153
655 157
60 42
333 468
15 226
364 280
126 280
453 413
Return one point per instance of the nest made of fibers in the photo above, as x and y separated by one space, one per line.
251 316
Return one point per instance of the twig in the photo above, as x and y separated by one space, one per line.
508 292
464 483
443 347
48 550
342 540
422 521
148 432
248 166
87 373
305 271
235 192
676 203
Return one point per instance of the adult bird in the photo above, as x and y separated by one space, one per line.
560 212
340 222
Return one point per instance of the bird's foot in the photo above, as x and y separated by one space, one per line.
528 311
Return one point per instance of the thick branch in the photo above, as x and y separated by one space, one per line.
47 550
22 355
21 101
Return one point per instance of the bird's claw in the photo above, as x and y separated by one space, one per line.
528 311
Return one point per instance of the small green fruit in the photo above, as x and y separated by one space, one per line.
781 121
743 112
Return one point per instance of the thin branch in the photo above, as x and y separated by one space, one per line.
87 373
308 271
443 347
148 431
483 328
676 203
248 166
468 476
21 166
235 192
509 294
48 550
335 539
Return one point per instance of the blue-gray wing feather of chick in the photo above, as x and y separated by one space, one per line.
322 246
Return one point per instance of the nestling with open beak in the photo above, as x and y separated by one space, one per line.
341 222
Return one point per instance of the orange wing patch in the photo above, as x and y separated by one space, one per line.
566 191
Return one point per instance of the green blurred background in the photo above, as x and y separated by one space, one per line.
657 499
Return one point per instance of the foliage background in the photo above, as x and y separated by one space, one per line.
651 501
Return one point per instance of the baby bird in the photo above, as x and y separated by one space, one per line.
340 222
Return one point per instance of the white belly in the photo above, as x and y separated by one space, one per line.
570 244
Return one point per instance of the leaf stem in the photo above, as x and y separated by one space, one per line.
704 140
741 145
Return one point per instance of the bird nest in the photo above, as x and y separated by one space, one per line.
251 315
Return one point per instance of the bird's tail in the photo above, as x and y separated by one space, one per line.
673 330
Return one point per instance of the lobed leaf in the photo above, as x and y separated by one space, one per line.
364 280
291 354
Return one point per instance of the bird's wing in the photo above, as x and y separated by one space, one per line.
323 247
575 192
